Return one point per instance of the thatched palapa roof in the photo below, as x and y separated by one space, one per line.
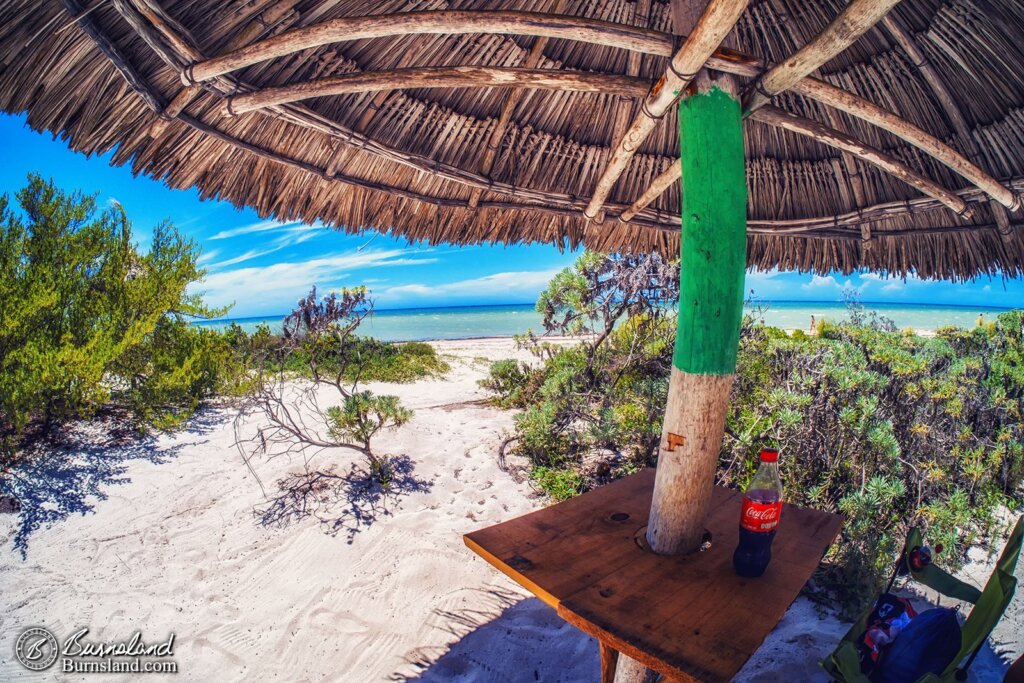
879 134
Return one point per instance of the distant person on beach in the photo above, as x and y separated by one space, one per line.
814 325
981 320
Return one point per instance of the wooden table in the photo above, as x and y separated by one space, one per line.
687 617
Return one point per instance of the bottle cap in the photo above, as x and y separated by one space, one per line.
769 455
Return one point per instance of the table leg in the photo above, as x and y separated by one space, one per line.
609 658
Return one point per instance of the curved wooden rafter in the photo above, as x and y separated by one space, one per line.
834 138
827 226
439 77
841 33
713 25
437 22
949 106
857 106
627 37
278 13
310 120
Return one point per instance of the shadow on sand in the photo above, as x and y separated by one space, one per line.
342 503
70 473
504 638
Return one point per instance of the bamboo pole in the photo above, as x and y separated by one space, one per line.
438 77
841 33
842 141
711 29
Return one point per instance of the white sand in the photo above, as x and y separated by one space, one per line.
176 547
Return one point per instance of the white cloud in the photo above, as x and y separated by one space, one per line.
266 226
241 258
520 283
819 282
894 286
279 284
292 234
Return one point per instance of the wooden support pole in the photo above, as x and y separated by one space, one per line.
713 266
714 25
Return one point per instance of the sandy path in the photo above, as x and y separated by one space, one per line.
175 547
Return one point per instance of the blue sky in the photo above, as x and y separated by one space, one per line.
264 266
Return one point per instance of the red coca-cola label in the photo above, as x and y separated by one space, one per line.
760 517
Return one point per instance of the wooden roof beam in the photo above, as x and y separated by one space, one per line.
554 203
841 33
438 77
842 141
268 18
714 25
949 106
437 22
865 110
858 107
640 40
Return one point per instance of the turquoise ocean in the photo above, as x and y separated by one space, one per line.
467 322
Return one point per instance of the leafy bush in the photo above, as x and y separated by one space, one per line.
889 428
560 484
87 321
606 392
370 360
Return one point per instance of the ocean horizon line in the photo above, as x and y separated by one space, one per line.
758 301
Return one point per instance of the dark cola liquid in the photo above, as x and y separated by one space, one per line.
754 551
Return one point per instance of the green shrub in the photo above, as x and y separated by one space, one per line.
369 360
87 321
513 383
560 484
889 428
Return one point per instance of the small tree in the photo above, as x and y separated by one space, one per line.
317 360
606 392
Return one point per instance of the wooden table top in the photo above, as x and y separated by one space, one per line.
689 617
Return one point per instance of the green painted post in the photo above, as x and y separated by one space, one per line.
713 254
713 265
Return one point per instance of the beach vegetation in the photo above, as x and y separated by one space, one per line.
370 360
91 322
307 399
891 429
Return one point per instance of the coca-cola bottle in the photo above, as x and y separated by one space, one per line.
762 507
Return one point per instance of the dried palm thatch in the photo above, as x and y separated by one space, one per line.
466 121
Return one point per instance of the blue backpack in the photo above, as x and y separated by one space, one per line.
926 645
